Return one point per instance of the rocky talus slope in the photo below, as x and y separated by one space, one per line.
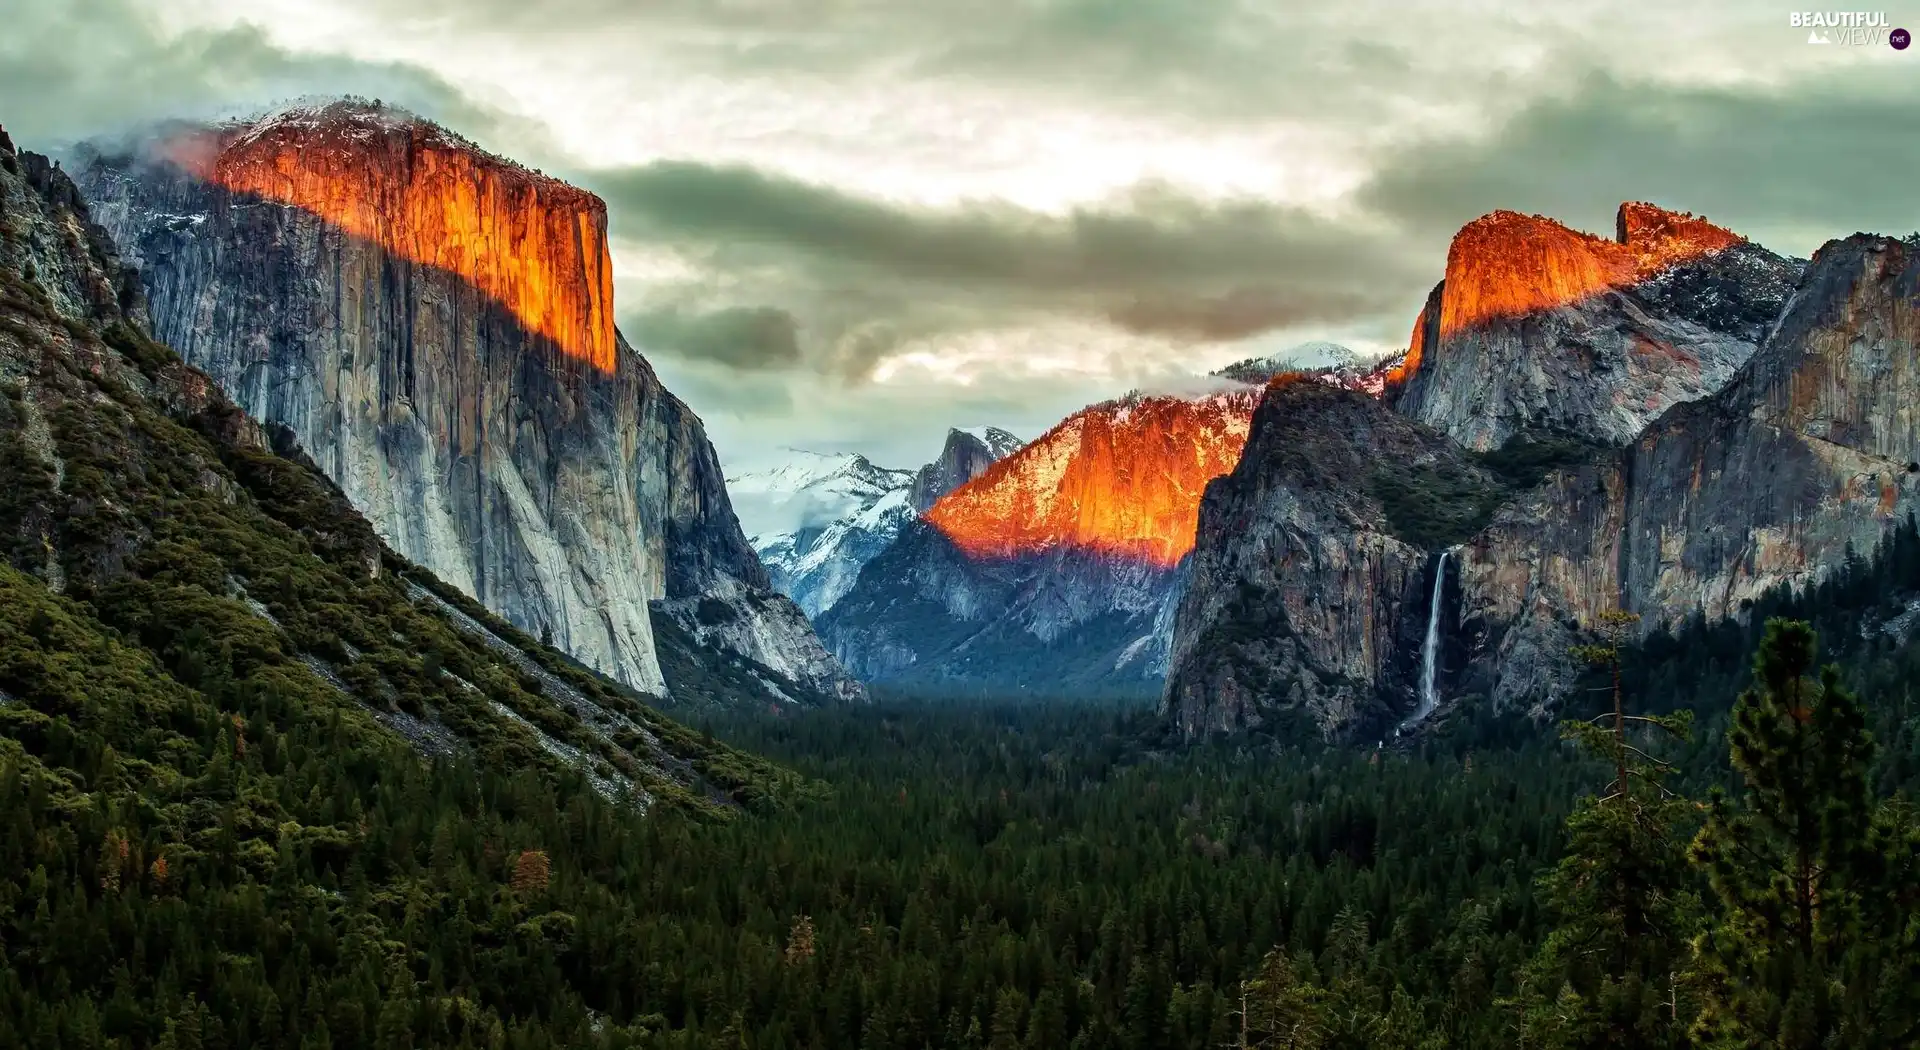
433 326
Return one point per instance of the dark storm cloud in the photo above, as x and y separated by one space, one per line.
743 338
1240 313
75 68
873 273
1814 159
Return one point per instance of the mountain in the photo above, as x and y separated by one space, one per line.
1057 568
1807 459
1310 574
966 455
1537 328
174 591
433 326
1479 538
1328 363
844 510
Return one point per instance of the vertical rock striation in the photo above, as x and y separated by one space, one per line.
434 327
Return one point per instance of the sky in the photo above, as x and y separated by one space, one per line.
846 225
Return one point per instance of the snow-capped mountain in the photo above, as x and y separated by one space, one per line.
1329 363
818 518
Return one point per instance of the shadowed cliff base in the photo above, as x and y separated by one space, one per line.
928 615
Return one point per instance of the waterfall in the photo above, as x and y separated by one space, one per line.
1430 651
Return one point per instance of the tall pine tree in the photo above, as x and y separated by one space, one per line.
1607 974
1792 865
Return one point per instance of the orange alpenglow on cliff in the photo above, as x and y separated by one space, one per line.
1123 478
1505 264
535 245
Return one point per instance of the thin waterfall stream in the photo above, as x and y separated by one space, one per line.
1430 649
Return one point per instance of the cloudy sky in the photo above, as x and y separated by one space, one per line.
849 224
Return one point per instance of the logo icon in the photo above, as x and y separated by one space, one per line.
1814 36
1899 38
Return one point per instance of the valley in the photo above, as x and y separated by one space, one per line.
409 636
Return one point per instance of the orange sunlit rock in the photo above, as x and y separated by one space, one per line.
1123 478
534 244
1505 264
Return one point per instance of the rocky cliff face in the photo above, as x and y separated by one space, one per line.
1059 567
1810 451
1122 478
965 456
1308 585
434 327
196 569
1305 577
1540 329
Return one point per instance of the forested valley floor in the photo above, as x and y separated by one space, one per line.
967 873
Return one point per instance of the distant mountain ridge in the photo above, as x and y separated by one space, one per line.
845 510
1058 567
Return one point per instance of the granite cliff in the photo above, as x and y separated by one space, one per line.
1537 328
1812 452
1554 481
169 580
433 325
1310 573
966 455
1059 567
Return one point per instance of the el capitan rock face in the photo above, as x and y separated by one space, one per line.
434 326
1540 329
1058 567
535 245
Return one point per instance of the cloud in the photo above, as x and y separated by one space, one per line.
72 69
1789 165
744 338
863 276
885 215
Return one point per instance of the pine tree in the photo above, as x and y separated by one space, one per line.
1607 975
1790 862
1279 1010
